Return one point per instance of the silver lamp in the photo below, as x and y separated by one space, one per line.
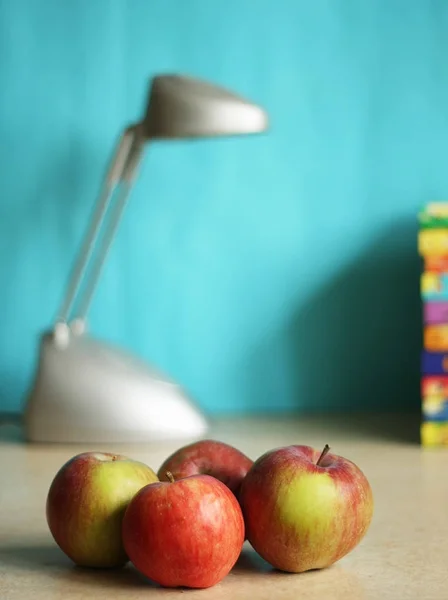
87 391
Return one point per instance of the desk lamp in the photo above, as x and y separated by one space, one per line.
86 390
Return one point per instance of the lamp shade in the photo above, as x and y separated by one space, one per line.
186 107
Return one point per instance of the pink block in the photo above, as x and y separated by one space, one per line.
435 312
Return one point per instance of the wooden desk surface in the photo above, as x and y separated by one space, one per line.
404 555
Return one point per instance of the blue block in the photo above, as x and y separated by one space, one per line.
434 363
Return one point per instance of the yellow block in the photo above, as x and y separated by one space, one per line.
433 242
430 283
434 434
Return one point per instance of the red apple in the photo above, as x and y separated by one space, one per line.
86 504
184 533
305 509
208 457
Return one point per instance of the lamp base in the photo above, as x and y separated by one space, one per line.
87 391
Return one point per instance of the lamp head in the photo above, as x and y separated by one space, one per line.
185 107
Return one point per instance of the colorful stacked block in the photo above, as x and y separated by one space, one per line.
433 248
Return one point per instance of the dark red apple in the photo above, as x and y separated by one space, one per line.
208 457
305 509
184 533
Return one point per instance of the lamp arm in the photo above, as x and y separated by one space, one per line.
119 179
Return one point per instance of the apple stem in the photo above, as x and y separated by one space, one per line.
170 476
323 454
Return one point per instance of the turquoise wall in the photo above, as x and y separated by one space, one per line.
270 273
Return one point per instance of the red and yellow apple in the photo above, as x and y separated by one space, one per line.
208 457
184 533
305 509
86 504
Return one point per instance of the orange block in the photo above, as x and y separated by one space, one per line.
435 338
436 264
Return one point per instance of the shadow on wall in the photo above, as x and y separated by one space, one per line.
356 345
